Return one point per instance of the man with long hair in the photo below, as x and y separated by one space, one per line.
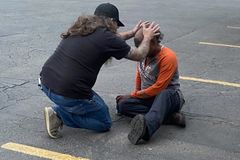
68 76
157 97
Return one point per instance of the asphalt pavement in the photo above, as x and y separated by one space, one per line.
206 38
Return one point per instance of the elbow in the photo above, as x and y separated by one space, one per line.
136 55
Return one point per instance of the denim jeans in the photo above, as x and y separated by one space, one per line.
156 109
90 114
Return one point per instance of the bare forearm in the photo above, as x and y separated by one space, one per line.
138 54
129 34
126 35
140 94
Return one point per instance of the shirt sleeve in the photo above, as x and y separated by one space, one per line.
116 47
167 68
137 83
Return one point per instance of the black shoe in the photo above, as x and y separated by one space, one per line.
138 130
146 137
178 119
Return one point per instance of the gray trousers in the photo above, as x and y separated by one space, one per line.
156 109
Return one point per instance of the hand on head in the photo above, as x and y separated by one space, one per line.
150 29
137 27
146 30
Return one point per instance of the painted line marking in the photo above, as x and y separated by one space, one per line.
211 81
38 152
220 44
233 27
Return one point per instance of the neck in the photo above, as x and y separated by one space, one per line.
155 51
159 48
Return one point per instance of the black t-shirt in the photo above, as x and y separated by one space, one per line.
73 68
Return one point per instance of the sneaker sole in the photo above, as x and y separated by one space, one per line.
138 128
46 117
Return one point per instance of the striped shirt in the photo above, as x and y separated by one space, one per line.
156 74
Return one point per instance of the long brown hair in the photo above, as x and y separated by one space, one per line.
86 25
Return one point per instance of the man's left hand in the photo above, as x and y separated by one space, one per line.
137 27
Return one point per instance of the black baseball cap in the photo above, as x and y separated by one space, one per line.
110 11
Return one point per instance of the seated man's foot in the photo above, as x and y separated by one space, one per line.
52 123
178 119
138 129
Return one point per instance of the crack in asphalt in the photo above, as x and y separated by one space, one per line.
2 108
15 85
2 87
28 55
16 101
181 36
211 118
7 35
21 123
19 79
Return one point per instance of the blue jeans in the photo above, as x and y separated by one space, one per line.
90 114
156 109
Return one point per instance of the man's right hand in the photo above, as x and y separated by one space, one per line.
137 27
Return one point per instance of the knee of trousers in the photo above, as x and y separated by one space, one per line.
122 106
164 94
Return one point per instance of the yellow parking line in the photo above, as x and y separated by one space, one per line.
38 152
220 44
211 81
233 27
